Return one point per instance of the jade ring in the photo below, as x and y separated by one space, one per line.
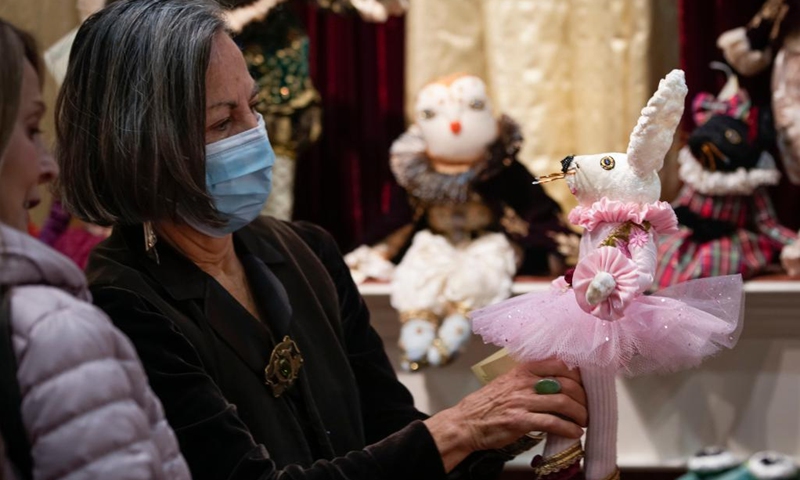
547 386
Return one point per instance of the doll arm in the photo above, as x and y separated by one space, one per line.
378 11
366 262
767 222
740 54
790 259
257 11
643 253
782 237
786 108
605 283
747 49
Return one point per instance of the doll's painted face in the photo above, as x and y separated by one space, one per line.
610 175
456 119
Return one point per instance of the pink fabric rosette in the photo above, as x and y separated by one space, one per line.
612 261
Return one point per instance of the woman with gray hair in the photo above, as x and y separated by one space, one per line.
251 330
74 400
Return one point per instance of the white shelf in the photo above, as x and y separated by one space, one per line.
747 399
772 307
521 287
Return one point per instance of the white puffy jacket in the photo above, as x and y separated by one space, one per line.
86 404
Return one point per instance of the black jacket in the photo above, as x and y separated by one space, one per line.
205 356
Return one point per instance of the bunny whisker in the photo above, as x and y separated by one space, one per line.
554 176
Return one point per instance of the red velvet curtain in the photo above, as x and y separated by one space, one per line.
701 22
358 68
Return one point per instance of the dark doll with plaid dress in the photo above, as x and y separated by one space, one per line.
727 222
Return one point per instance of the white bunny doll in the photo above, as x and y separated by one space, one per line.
598 318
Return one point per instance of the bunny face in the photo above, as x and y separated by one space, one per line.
456 119
610 175
630 177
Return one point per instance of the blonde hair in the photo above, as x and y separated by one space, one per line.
16 47
10 83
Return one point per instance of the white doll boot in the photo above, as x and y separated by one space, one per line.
454 334
710 463
764 466
416 337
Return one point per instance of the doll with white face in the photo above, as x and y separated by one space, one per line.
456 122
597 317
436 284
477 218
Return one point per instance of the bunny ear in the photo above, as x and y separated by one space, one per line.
652 136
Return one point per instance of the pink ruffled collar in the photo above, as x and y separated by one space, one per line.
659 214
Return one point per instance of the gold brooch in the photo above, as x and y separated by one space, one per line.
284 365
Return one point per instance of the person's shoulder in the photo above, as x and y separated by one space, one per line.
315 236
114 266
42 314
319 240
31 304
73 362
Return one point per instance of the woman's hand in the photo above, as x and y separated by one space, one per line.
508 408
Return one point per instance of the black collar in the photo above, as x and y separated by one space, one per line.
182 279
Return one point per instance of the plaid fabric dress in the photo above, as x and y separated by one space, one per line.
756 243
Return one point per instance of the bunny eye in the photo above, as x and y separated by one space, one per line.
427 114
607 163
733 136
477 104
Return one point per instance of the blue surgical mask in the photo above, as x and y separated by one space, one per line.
238 178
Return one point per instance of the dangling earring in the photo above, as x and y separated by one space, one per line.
150 240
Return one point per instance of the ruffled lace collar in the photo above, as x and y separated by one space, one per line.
659 214
413 170
738 182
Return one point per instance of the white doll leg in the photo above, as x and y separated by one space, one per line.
482 274
601 436
420 277
417 294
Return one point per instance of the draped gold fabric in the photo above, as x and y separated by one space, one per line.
574 73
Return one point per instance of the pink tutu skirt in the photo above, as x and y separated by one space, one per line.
670 330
